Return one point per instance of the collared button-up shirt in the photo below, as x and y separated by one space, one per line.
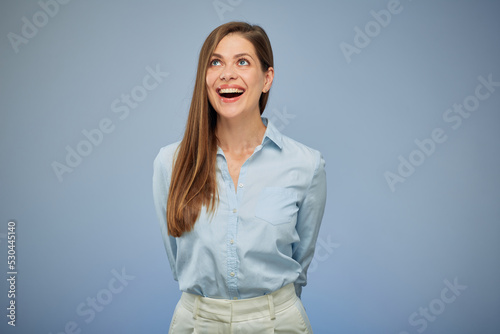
263 233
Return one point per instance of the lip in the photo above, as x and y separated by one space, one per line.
231 99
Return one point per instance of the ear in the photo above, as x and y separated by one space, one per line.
268 79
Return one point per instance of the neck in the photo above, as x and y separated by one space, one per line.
240 135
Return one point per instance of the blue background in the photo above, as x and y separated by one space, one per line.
384 254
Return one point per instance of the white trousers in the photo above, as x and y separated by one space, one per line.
278 312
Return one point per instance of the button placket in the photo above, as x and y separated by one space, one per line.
231 233
234 200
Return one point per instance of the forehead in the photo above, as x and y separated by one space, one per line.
233 44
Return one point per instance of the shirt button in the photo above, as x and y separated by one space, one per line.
241 185
232 241
234 210
232 274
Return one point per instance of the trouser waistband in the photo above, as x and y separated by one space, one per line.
228 311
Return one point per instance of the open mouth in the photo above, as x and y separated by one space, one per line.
230 93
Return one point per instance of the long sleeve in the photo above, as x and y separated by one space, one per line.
309 221
161 182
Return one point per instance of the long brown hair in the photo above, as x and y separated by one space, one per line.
193 182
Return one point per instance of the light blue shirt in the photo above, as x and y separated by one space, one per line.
262 235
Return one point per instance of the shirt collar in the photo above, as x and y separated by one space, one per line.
272 134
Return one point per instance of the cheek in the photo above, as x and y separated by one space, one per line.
211 94
211 77
256 80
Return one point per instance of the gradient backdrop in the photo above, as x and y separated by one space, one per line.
401 97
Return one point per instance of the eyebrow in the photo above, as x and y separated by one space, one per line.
235 56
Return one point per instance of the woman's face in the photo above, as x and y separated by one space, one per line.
235 79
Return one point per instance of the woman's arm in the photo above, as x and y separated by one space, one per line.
161 183
308 222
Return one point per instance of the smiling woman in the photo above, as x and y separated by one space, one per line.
240 205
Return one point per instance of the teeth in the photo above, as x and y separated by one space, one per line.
230 90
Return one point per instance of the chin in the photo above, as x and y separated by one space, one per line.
229 112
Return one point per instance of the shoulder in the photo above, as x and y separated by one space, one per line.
293 151
307 155
165 157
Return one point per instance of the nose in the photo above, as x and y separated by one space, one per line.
228 73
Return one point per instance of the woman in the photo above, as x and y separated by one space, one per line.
239 204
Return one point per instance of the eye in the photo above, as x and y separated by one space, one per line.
243 62
215 62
